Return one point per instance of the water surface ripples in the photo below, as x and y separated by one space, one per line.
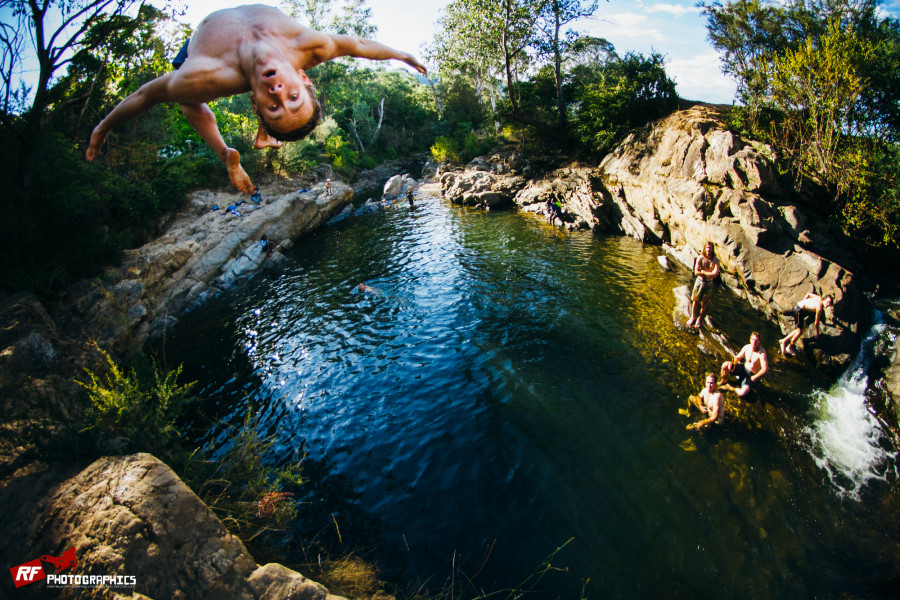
513 386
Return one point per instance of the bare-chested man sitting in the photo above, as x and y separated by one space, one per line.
710 403
748 366
256 49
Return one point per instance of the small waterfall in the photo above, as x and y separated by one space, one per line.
847 438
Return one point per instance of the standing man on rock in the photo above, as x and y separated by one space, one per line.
706 268
256 49
748 366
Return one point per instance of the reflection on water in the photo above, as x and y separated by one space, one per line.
846 436
511 386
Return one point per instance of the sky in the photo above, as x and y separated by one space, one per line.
674 29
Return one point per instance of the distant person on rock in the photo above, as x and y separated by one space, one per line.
748 366
554 210
706 269
710 403
256 49
811 307
328 186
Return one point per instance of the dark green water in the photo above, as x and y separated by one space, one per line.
510 387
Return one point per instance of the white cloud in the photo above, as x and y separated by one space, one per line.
701 78
675 9
628 25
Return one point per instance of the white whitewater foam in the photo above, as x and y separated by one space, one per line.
846 436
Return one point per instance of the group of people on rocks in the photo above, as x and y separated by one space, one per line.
750 364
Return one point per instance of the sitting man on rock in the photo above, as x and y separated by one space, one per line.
748 366
811 307
256 49
710 403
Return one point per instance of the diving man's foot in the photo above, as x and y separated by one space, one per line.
239 177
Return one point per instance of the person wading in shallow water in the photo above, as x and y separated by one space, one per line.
256 49
706 268
710 403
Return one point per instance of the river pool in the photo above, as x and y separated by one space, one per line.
508 387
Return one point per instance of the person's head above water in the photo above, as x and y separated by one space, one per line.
285 101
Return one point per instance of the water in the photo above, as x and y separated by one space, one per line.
847 438
509 387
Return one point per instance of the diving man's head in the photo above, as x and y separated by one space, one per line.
285 100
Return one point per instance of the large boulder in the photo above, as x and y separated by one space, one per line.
485 183
131 515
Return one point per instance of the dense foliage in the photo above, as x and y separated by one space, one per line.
821 81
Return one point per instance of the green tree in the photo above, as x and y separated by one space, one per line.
487 37
817 86
624 94
58 31
556 43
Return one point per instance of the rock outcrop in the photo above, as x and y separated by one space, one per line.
684 181
131 515
688 181
489 184
201 253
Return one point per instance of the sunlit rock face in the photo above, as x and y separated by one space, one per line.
202 252
681 182
687 180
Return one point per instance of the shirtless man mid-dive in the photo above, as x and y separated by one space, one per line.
256 49
748 366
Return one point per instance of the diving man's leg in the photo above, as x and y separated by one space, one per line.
202 119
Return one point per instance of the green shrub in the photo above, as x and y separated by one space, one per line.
444 150
245 493
143 413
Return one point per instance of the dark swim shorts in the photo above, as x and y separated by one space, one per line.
182 55
800 317
743 377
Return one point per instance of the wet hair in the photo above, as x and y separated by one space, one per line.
712 249
304 130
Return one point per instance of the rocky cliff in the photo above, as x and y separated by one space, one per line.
203 251
684 181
